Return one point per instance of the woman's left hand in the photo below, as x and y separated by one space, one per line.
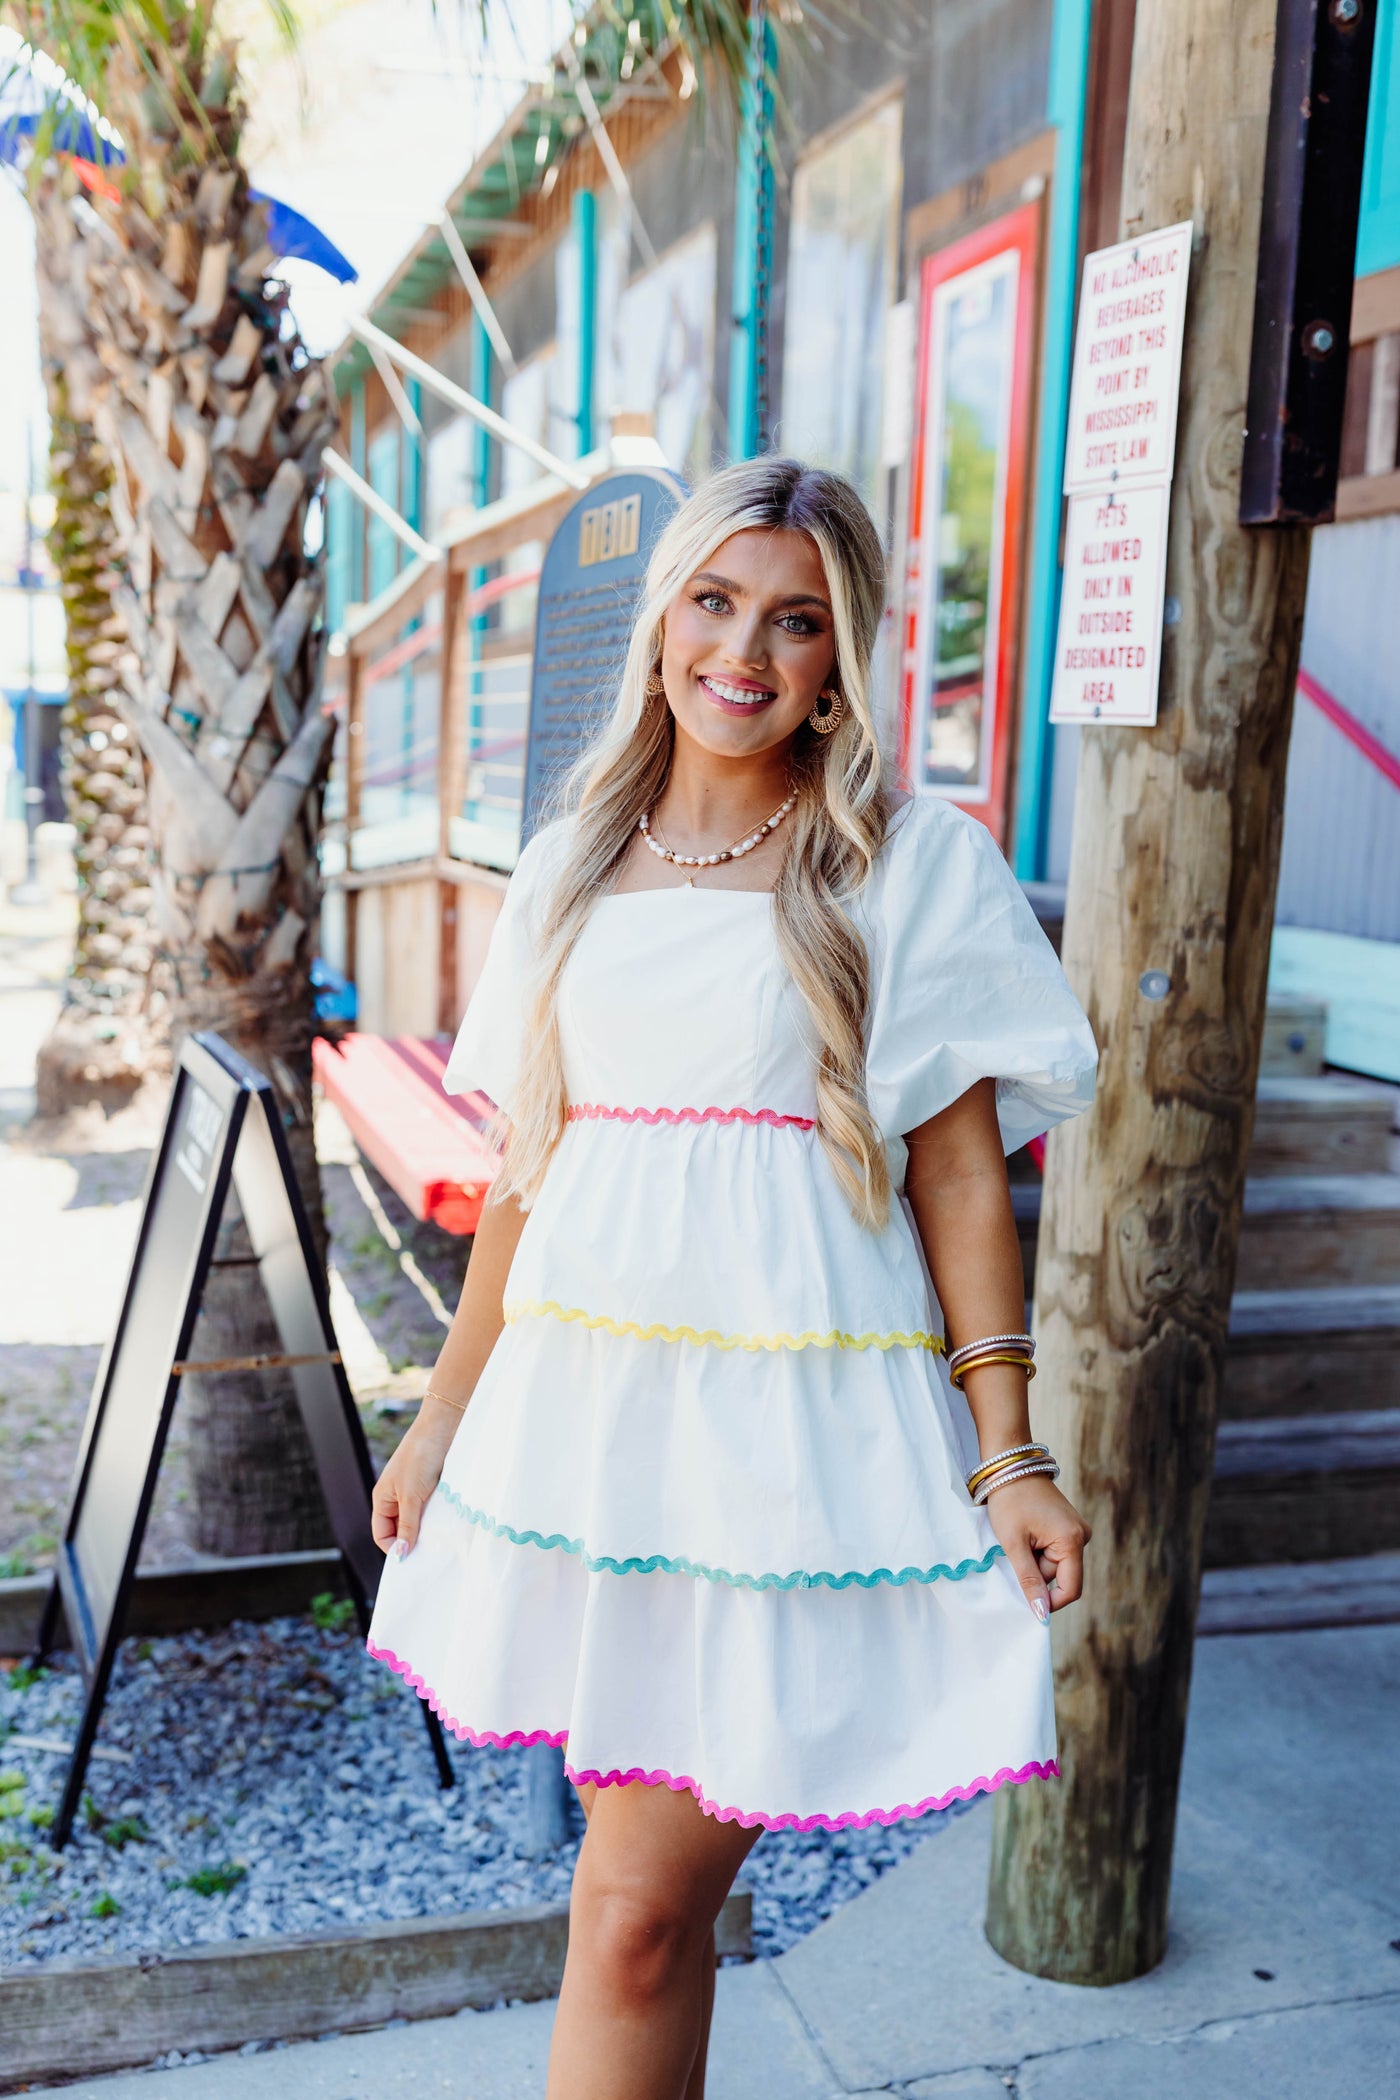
1043 1536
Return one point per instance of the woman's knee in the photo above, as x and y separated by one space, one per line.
640 1942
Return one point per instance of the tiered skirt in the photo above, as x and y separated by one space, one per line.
704 1523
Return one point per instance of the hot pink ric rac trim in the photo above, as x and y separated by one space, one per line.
480 1739
593 1111
853 1819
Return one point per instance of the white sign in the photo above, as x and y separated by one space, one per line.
1127 362
1109 650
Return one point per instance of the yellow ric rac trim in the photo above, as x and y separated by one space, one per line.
711 1338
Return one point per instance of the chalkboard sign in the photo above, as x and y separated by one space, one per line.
590 585
221 1126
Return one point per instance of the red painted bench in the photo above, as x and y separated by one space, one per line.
429 1146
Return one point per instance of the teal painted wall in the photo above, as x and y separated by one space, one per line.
1378 242
340 524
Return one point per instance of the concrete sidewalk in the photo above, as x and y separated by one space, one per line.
1282 1981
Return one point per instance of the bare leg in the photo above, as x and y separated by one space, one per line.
695 2084
638 1985
709 1962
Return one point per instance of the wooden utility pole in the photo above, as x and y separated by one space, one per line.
1167 927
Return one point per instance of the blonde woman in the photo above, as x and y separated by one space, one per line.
688 1492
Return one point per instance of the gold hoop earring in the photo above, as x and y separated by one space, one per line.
829 711
656 685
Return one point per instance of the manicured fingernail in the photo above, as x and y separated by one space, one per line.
1041 1610
400 1549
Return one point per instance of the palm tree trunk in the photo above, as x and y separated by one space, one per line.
214 420
110 1031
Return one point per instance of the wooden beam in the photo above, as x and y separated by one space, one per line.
1375 305
175 1600
1173 871
1368 495
60 2022
452 778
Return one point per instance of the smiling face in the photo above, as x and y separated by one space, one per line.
749 643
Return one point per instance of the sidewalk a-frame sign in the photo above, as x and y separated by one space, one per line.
222 1128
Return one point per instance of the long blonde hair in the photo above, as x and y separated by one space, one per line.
833 833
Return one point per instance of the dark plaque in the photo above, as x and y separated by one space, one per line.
222 1125
590 586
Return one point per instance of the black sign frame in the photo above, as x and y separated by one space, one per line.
222 1127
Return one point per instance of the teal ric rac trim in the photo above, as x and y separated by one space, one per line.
668 1564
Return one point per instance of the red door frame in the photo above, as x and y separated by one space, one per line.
1017 230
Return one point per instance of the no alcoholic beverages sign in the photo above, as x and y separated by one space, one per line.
1119 455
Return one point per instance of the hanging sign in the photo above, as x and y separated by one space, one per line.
1127 362
1119 454
222 1129
590 585
1110 641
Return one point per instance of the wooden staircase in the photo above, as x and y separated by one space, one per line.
1308 1450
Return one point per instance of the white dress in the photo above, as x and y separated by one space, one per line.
705 1520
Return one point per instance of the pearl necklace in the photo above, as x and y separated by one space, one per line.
712 860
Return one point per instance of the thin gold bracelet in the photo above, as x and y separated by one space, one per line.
430 1392
1022 1362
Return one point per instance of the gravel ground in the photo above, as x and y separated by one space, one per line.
272 1779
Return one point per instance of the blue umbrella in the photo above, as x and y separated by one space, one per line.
27 103
292 234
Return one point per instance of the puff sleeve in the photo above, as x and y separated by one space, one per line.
965 984
488 1051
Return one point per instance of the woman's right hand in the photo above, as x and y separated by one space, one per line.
402 1489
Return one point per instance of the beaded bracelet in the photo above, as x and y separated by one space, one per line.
1025 1472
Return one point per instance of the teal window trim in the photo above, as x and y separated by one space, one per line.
585 217
357 461
342 519
753 248
1068 91
482 376
413 460
384 472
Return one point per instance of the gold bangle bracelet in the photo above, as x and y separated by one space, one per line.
430 1392
1023 1362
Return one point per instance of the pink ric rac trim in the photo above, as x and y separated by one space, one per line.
480 1739
851 1820
593 1111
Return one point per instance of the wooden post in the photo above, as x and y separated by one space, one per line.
1173 871
452 778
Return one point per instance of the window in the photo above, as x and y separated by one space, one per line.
656 338
842 258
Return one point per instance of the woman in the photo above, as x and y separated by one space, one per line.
708 1516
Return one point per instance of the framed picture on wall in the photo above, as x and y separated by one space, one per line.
967 502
